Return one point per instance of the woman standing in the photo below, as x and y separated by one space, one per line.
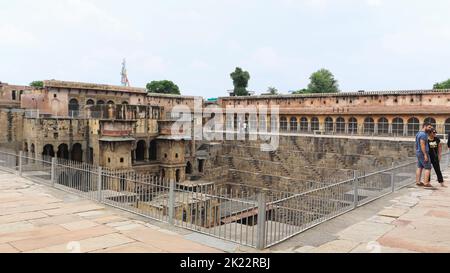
436 155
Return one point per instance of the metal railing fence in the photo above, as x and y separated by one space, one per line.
242 214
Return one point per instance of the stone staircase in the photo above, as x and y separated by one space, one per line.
253 160
305 158
275 157
234 175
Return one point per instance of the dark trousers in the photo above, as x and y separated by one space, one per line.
437 168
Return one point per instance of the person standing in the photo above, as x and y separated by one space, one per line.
436 155
422 154
448 141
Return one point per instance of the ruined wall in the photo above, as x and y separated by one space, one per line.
302 163
115 155
412 98
11 124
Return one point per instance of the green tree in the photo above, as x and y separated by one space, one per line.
240 81
442 85
322 81
302 91
37 84
272 91
163 87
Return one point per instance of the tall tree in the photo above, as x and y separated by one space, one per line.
442 85
240 81
37 84
321 81
272 91
163 87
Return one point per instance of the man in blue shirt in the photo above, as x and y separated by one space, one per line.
423 157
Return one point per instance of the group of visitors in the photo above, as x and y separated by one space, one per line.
429 156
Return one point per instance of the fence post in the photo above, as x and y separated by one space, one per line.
392 181
171 202
355 190
261 227
99 183
393 178
53 174
20 163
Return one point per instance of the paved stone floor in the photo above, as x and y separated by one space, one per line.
411 220
36 218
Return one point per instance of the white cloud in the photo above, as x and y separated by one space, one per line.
267 57
199 65
67 17
13 36
418 41
374 3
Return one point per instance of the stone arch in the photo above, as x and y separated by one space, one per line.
340 125
352 126
383 126
100 102
63 151
90 102
74 108
315 124
48 150
431 120
413 126
140 150
329 125
110 102
304 124
189 169
293 124
77 152
369 125
153 150
283 124
398 126
201 165
447 126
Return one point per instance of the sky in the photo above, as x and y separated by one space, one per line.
366 44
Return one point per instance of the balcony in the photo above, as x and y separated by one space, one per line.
123 112
117 133
171 129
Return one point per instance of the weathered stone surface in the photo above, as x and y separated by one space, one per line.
338 246
392 212
84 224
88 245
6 248
52 225
365 232
132 248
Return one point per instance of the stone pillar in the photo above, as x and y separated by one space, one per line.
146 152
